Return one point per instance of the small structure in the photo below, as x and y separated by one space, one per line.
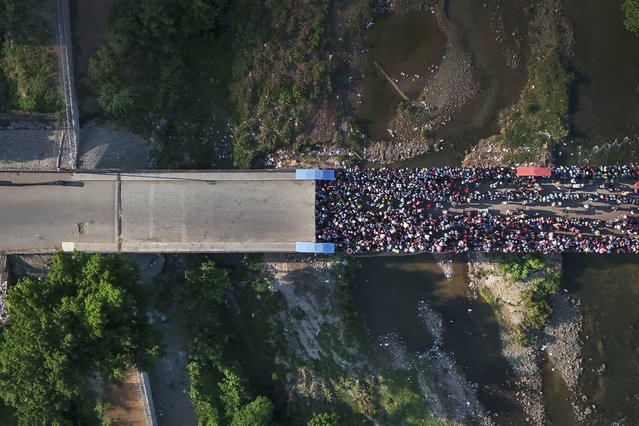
314 174
534 171
307 247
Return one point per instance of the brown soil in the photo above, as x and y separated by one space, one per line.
127 401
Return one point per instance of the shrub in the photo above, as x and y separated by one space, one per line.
630 9
31 70
324 419
537 301
520 266
115 99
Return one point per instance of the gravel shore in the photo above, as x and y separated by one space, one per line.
524 360
105 146
29 149
563 346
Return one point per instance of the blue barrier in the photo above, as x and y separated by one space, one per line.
304 247
314 174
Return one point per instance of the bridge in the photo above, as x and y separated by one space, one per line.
352 210
155 211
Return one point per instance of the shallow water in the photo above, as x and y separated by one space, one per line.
406 44
500 85
387 292
559 411
606 95
608 287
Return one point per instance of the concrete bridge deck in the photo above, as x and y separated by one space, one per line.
155 211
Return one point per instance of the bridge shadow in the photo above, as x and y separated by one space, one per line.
47 183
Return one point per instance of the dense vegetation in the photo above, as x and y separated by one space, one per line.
631 11
533 126
279 73
536 298
85 317
520 266
27 63
218 393
257 73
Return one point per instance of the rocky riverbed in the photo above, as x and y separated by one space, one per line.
562 344
560 339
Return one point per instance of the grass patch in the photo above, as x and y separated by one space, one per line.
330 341
279 74
492 301
537 301
28 65
520 266
538 121
402 400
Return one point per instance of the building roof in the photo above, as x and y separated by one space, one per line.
534 171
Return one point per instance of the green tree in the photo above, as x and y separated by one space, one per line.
631 10
207 283
233 393
86 317
255 413
324 419
115 99
205 411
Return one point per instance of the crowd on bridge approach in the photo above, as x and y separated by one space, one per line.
456 210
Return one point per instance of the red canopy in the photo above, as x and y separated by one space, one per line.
534 171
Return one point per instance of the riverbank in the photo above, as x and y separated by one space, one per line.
563 347
532 128
559 339
335 362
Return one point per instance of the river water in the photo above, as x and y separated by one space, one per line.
406 46
605 107
605 99
387 292
608 287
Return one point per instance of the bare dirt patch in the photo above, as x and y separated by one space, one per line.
127 401
106 146
32 149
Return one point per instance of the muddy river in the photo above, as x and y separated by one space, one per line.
605 99
388 291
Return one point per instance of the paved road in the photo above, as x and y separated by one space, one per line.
155 212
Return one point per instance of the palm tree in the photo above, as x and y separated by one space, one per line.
115 99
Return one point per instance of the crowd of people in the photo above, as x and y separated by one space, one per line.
453 210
